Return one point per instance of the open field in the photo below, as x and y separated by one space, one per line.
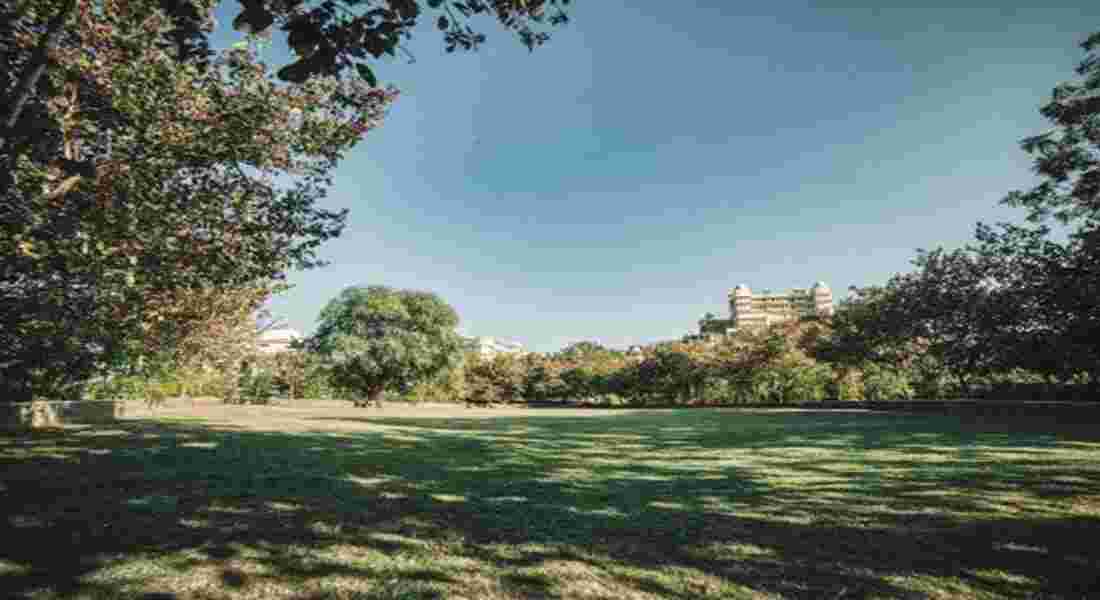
445 502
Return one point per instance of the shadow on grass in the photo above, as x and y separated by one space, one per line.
679 504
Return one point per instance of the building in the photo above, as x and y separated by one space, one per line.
750 311
488 347
273 341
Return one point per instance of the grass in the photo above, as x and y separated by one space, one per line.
326 502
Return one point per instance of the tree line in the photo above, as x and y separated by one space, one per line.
1015 313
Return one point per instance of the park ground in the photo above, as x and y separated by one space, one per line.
321 500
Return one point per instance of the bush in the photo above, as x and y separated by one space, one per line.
118 387
885 383
317 387
256 387
847 387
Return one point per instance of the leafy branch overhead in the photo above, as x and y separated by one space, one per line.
332 36
1068 156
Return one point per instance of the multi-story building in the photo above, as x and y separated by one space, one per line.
756 311
277 340
489 347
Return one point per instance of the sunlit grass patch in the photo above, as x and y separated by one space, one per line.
556 504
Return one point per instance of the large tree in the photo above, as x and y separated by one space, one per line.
494 379
945 318
379 339
953 308
204 178
1067 157
134 162
1056 281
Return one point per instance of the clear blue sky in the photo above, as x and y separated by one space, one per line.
616 183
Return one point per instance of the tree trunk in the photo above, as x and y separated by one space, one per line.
375 397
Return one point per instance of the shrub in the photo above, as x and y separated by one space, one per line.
256 387
119 387
885 383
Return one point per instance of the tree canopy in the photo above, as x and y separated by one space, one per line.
1056 283
379 339
197 178
136 163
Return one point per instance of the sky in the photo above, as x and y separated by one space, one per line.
615 184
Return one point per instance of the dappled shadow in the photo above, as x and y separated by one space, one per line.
679 504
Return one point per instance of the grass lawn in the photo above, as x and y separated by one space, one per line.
331 502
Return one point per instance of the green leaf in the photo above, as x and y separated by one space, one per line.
366 74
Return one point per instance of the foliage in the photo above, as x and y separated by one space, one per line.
1067 157
333 36
885 382
318 384
939 321
584 371
494 380
448 386
542 380
667 373
291 371
140 172
377 338
134 162
118 388
954 309
256 385
775 366
1056 330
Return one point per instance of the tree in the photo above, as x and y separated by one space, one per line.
1026 262
884 382
343 34
198 334
668 372
584 370
866 328
943 319
954 308
450 385
328 39
1067 157
579 350
772 366
1058 283
292 370
151 176
379 339
496 379
542 377
133 162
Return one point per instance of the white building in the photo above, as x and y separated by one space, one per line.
489 347
757 311
277 340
